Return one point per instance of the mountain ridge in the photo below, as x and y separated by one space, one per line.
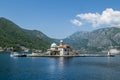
11 35
97 40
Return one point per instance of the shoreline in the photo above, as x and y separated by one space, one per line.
43 55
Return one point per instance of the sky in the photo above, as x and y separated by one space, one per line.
61 18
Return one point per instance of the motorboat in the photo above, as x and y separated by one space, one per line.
16 54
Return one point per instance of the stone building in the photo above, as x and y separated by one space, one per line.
61 49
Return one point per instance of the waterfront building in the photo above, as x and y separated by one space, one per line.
61 49
1 49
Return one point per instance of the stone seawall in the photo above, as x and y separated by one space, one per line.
79 55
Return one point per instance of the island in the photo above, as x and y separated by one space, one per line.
61 50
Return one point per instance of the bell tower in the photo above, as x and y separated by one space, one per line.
61 42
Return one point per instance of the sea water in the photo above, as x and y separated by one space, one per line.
59 68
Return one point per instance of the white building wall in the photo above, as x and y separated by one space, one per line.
53 48
64 52
61 51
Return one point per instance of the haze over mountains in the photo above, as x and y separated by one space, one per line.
97 40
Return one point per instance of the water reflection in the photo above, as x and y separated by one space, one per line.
59 64
63 61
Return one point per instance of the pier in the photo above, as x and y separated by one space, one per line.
79 55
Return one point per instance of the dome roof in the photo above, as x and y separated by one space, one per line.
53 45
61 41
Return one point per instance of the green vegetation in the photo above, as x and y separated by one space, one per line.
11 35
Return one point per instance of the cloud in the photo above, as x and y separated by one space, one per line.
76 22
108 17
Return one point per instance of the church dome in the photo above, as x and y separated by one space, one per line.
53 45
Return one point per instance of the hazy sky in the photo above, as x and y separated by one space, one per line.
61 18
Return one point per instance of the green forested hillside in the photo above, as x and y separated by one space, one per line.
11 35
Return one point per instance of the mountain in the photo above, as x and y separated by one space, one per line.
97 40
78 40
11 35
105 37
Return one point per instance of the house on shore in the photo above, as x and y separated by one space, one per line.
1 49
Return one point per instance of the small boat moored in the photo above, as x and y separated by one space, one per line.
109 54
15 54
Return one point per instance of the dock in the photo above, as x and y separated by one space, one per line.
79 55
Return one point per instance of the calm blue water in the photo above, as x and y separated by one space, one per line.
50 68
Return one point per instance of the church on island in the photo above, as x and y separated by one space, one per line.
60 50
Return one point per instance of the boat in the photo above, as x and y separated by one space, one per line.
15 54
109 54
